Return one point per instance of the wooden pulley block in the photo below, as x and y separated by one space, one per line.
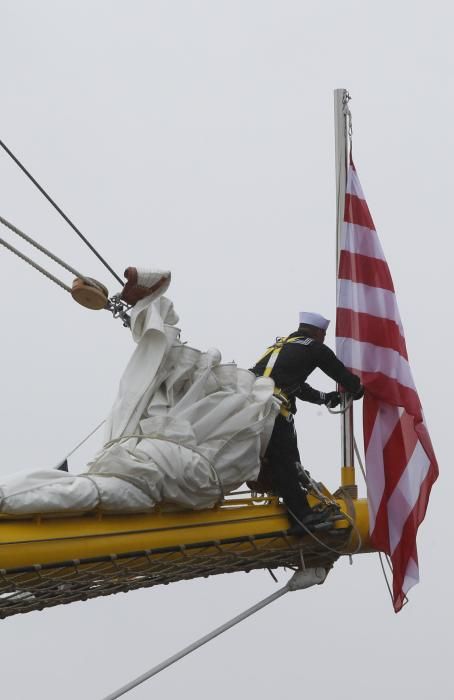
93 296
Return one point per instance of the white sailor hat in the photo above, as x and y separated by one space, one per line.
311 319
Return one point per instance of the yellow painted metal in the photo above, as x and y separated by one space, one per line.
49 539
361 529
348 476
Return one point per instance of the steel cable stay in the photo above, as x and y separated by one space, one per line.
301 579
60 211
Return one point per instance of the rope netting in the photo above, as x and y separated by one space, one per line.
41 586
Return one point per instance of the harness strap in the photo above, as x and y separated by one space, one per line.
284 401
273 352
277 347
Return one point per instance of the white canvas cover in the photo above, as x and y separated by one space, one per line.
184 429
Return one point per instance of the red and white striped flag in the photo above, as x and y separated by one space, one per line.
400 462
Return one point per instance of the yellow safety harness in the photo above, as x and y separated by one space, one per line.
275 350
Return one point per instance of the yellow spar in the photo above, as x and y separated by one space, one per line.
50 560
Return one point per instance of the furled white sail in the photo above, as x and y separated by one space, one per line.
184 429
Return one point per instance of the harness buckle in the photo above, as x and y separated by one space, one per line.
285 404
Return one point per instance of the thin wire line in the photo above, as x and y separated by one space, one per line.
380 554
60 211
385 577
85 438
360 461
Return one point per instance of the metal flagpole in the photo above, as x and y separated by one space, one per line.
342 139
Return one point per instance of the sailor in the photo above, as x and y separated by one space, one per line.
289 362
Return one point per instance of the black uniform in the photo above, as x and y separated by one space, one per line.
293 365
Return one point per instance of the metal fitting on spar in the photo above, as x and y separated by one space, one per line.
305 578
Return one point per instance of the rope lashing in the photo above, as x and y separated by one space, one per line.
157 436
301 579
60 211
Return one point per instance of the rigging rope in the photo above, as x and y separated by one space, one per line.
157 436
115 304
44 250
360 461
380 554
323 544
60 211
35 265
82 442
300 580
385 577
117 307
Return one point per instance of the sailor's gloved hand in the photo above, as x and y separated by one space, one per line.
332 399
358 394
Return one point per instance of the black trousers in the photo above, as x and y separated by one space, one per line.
282 455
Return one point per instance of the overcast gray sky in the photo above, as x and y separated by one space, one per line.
198 136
